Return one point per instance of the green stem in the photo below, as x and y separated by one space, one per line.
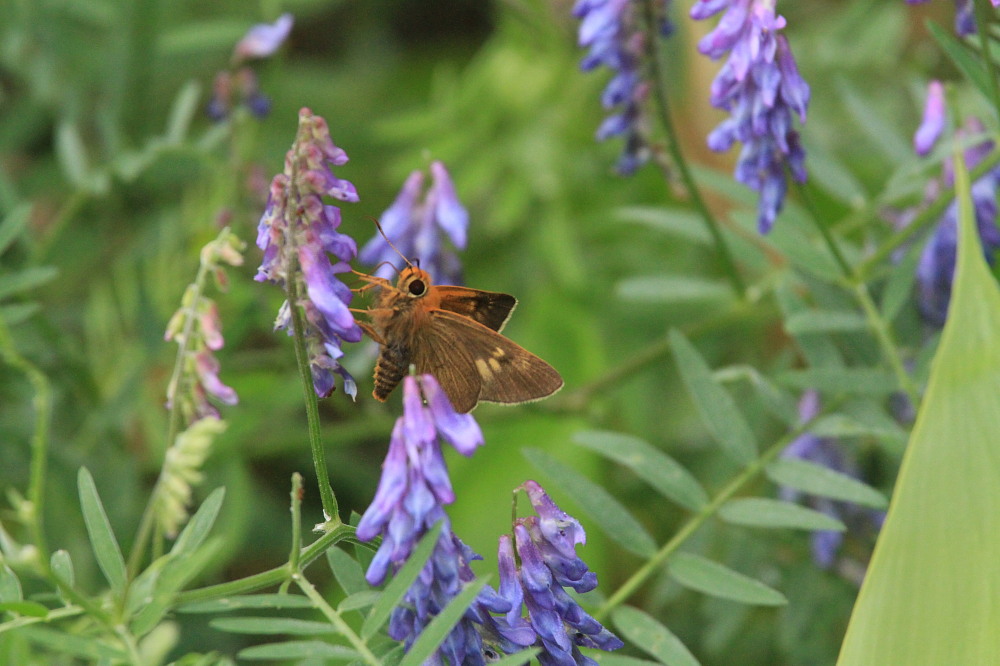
39 439
662 107
335 619
887 343
654 564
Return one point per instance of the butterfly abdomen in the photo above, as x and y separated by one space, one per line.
392 365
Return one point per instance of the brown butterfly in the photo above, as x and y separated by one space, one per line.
452 333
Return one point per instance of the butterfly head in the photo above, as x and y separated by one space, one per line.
414 282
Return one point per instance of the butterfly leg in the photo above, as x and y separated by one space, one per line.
367 328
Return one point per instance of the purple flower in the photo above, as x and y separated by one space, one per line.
263 39
828 453
761 87
415 226
965 19
614 39
933 122
297 233
546 546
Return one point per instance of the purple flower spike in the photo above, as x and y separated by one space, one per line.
263 39
761 87
609 30
933 122
415 227
828 453
298 233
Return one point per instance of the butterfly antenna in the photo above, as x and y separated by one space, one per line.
378 225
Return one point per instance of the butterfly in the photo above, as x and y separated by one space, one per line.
452 333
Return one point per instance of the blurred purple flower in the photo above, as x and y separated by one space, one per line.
965 19
546 546
415 226
933 121
761 87
263 39
297 233
828 453
609 29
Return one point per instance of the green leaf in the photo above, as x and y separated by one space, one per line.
298 650
819 480
596 503
667 289
62 567
762 512
697 573
347 571
899 288
646 633
824 321
833 176
25 280
968 62
716 407
255 601
516 659
434 633
856 381
819 350
72 154
650 464
177 571
102 538
16 313
614 659
358 600
28 608
91 648
181 113
400 583
198 528
271 625
683 224
930 595
10 586
13 225
842 425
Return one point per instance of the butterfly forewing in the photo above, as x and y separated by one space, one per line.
486 366
490 308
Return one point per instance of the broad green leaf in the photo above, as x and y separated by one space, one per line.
102 538
855 381
824 321
24 280
716 407
646 633
247 601
763 512
665 289
10 586
29 608
197 529
271 625
931 592
607 512
13 224
347 571
442 624
298 650
393 593
650 464
819 480
697 573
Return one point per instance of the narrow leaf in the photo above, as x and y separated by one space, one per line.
856 381
358 600
13 225
10 586
28 608
697 573
762 512
665 289
716 407
824 321
181 113
254 601
683 224
197 529
517 659
930 595
900 284
25 280
91 648
434 633
653 466
102 538
271 625
298 650
393 593
819 480
646 633
347 571
969 63
62 567
72 154
597 503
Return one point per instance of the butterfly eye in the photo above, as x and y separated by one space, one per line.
417 288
